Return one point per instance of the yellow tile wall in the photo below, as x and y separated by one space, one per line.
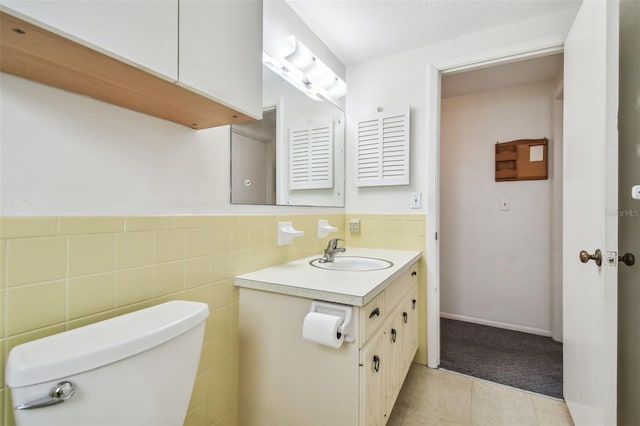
59 273
400 232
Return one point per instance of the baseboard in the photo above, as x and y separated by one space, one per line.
531 330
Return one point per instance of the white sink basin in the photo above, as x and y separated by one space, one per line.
352 263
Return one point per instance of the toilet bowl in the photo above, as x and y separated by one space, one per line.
133 370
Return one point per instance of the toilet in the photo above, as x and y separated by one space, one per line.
132 370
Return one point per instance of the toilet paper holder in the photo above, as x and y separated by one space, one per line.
344 311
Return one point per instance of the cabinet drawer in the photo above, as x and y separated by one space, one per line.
372 317
401 286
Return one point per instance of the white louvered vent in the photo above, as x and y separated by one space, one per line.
311 156
383 149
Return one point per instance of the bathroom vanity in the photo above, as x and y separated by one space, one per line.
287 380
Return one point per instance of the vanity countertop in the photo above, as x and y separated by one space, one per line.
299 278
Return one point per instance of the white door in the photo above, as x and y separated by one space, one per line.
629 217
590 213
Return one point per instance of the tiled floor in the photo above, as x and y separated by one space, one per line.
436 397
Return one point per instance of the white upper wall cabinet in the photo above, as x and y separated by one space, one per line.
196 63
221 52
144 33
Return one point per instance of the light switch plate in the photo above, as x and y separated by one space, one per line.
415 200
505 204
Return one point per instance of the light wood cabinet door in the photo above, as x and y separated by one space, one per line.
142 33
221 52
373 363
410 306
395 342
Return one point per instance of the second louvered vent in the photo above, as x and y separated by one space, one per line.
383 149
311 156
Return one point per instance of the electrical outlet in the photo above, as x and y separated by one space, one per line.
505 204
415 200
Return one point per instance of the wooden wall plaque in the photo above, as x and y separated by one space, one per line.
522 159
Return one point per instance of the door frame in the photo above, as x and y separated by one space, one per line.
510 53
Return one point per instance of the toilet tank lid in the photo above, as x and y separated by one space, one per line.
92 346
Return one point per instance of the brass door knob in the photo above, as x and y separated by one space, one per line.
628 259
597 256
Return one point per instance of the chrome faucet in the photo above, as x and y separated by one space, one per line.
332 249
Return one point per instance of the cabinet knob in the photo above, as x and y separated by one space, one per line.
376 363
394 333
375 313
596 256
405 317
414 273
413 303
628 259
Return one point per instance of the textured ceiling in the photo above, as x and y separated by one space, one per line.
360 30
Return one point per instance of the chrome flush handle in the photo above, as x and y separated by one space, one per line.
60 393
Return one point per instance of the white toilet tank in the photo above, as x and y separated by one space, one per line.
132 370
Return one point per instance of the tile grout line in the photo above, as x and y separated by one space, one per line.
471 401
184 262
67 272
153 266
5 288
5 305
116 267
535 410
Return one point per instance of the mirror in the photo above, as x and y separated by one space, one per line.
294 155
253 160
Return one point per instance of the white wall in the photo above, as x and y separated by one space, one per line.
66 154
555 166
495 265
401 79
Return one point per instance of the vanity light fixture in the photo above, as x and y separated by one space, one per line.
290 75
307 73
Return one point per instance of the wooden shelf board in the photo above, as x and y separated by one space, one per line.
506 174
506 156
37 54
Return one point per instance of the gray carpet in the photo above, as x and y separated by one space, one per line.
522 360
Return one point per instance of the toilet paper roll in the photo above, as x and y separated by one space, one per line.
322 328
